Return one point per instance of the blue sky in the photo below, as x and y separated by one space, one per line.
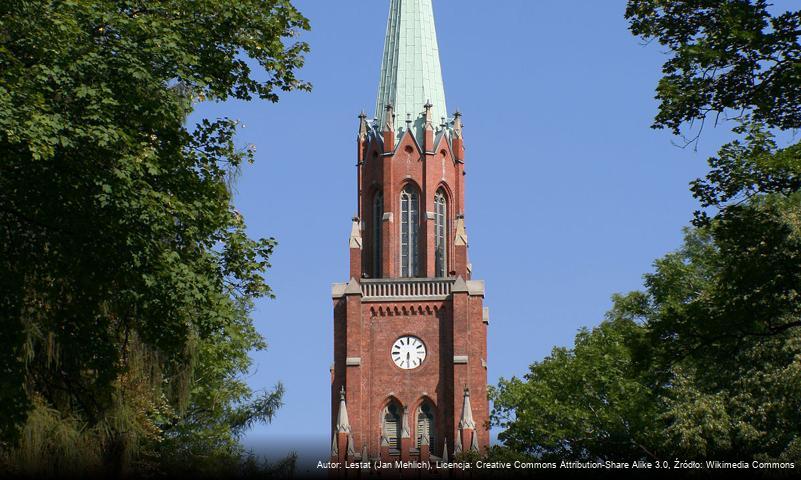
570 195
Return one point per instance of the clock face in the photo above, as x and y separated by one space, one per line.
408 352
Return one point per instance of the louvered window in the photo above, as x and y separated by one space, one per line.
409 225
441 233
378 222
425 424
392 426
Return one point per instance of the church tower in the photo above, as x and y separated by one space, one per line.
409 380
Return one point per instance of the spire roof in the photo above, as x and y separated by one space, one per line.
411 75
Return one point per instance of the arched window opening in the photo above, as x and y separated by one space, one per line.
391 428
426 424
410 227
378 223
441 233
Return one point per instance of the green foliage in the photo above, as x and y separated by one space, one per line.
127 275
580 403
204 438
502 453
748 168
467 456
733 284
665 375
705 363
725 55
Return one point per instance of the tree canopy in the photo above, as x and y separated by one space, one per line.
704 362
580 402
646 384
127 274
724 56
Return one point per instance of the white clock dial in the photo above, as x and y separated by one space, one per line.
408 352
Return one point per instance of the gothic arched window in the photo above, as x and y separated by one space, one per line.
441 233
410 227
391 427
426 424
378 223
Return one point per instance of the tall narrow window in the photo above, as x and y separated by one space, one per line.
378 223
441 233
392 426
410 226
426 424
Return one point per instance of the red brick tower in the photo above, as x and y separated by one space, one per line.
409 380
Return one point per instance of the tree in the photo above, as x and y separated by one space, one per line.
745 169
745 283
736 55
726 307
123 265
587 402
715 337
726 365
664 376
725 55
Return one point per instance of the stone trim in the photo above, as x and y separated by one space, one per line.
460 286
460 359
406 289
353 361
410 289
352 288
338 290
475 288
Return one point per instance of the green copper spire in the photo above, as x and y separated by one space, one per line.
411 75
